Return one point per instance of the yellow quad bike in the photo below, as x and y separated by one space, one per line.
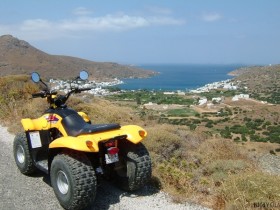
64 144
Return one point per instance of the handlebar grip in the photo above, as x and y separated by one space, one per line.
37 95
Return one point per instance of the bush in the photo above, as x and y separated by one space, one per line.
226 133
192 127
209 124
243 137
166 142
14 100
237 139
238 129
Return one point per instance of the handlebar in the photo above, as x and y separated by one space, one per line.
59 100
43 94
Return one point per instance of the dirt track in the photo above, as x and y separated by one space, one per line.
22 192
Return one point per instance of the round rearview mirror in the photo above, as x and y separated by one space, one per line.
83 75
35 77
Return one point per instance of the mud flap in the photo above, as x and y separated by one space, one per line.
38 142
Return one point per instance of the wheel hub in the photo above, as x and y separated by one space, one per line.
62 182
20 154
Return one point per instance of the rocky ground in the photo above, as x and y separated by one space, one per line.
22 192
270 163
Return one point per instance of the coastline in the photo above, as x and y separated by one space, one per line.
177 78
184 77
100 88
225 84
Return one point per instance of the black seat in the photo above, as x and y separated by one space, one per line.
74 125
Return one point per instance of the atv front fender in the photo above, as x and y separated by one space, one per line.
27 124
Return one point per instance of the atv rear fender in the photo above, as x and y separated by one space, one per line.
89 142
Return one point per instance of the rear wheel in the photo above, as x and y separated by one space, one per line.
22 155
73 180
134 168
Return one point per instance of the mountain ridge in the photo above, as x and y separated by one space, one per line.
19 57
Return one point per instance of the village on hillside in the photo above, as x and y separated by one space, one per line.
97 88
102 89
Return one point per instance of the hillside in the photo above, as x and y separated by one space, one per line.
262 82
213 160
19 57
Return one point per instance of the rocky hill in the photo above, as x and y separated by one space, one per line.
19 57
262 82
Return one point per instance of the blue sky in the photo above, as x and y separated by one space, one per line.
149 31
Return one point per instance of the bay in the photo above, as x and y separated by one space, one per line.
180 77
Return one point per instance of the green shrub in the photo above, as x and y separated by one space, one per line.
192 127
238 129
225 133
237 139
243 137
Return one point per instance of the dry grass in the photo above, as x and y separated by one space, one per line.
15 100
190 166
241 191
215 149
102 111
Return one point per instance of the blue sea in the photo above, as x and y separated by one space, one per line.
180 77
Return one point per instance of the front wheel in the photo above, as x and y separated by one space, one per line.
22 155
134 168
73 180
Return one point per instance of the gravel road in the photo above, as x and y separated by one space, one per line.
22 192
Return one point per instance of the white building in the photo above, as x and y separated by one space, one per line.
217 100
240 96
202 101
